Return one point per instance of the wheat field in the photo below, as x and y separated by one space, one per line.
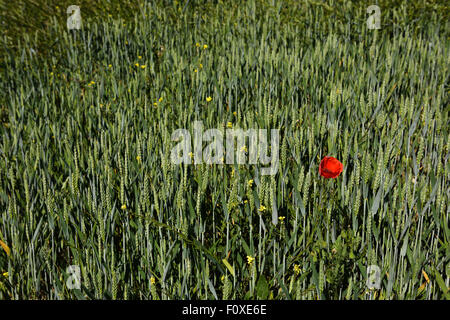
86 177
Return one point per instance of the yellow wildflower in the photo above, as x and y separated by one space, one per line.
137 65
281 218
229 125
139 57
109 65
262 208
205 46
138 158
160 99
5 274
124 206
143 66
297 269
250 260
152 280
250 183
208 99
197 44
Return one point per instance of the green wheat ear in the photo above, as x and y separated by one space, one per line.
227 288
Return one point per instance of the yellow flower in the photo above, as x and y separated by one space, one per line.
160 99
208 99
139 57
244 149
222 278
109 65
197 44
425 276
205 46
250 260
281 218
155 104
234 113
143 66
229 125
51 73
5 247
297 269
262 208
126 42
250 183
201 66
136 64
138 158
5 274
124 206
152 280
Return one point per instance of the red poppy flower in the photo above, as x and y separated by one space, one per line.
330 167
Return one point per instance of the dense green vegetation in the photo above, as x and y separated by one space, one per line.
86 118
